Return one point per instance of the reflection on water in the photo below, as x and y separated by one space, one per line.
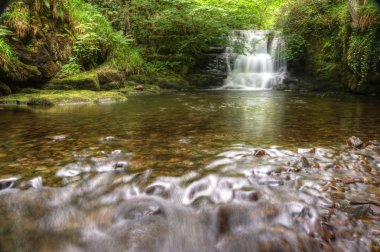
179 132
207 171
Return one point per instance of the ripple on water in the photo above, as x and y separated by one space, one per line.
239 202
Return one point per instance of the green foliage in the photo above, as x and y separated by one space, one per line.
97 40
364 54
71 68
322 35
368 16
295 47
6 52
18 18
306 22
184 27
87 49
159 65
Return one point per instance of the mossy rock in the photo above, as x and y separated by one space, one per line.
112 85
4 89
165 80
110 78
140 79
29 91
83 81
168 81
43 102
107 75
17 71
204 81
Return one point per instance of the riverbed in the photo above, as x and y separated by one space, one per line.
201 171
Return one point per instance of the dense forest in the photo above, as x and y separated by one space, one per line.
91 44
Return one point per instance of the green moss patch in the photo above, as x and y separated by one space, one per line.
55 97
83 81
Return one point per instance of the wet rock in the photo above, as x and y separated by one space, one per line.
373 145
157 190
139 88
35 183
307 151
360 211
57 138
138 208
247 195
327 232
374 142
260 153
355 142
305 163
43 102
120 165
8 183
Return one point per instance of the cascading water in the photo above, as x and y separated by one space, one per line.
262 64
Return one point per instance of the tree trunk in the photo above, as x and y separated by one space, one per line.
354 12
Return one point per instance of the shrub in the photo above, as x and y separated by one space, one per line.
18 18
6 52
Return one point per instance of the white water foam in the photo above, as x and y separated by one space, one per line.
262 64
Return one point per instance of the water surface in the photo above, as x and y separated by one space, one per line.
203 171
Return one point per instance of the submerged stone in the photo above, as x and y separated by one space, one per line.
355 142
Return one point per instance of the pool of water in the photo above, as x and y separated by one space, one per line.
230 170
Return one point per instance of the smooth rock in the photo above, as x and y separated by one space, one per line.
355 142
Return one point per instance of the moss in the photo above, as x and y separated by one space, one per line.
165 80
110 78
4 89
147 89
17 71
30 91
83 81
176 82
43 102
330 47
63 97
112 85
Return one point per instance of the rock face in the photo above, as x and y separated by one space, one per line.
211 69
99 79
40 55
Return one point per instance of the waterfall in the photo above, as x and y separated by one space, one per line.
262 64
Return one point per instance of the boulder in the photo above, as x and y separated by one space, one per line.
83 81
110 78
355 142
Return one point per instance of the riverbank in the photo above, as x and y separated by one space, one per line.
40 97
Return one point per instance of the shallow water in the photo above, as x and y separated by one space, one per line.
204 171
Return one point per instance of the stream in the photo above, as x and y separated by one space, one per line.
201 171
